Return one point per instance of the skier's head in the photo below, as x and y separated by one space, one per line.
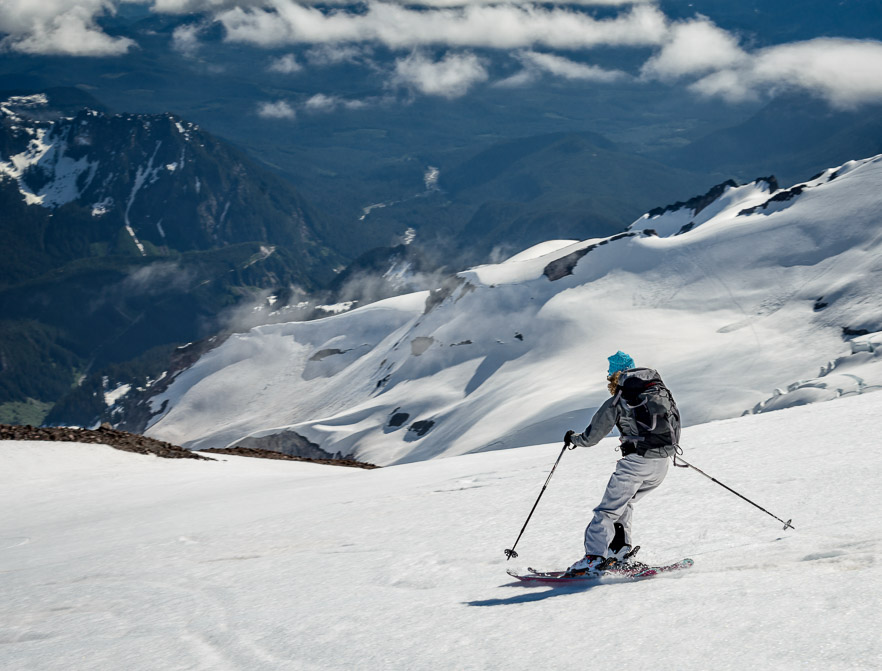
617 363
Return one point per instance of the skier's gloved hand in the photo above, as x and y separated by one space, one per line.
568 439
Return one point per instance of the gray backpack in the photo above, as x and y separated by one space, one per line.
650 403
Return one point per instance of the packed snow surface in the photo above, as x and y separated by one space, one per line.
112 560
763 293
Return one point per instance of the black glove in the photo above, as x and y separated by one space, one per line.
568 442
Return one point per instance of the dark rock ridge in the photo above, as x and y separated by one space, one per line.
560 268
131 442
325 353
696 204
699 203
289 443
781 197
121 440
270 454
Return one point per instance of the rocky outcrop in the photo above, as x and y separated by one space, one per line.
121 440
289 444
132 442
269 454
564 266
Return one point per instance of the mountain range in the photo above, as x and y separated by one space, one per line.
753 297
186 179
132 232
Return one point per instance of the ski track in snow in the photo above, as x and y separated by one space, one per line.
140 563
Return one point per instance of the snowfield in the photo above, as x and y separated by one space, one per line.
749 301
112 560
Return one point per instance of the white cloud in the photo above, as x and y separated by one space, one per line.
321 103
185 39
277 110
499 26
195 6
286 65
692 48
325 103
731 85
463 3
323 55
525 77
451 77
844 72
59 27
567 69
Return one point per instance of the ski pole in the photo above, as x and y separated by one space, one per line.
511 552
686 464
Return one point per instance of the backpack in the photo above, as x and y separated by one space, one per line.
646 399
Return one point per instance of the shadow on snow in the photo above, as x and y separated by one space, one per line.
551 591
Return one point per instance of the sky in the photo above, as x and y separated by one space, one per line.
440 46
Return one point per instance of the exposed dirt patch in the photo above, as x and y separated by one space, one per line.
121 440
133 442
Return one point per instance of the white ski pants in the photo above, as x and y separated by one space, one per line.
633 479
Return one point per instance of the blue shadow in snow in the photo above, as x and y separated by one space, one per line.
550 592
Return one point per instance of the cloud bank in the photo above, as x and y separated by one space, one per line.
846 73
692 48
450 77
711 61
58 27
502 26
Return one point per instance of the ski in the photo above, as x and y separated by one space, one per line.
635 571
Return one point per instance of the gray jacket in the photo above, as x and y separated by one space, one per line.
648 421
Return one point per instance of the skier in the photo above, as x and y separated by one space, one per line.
645 413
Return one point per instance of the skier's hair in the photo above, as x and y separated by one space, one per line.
614 382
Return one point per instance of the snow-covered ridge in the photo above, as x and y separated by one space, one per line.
747 300
725 199
150 183
17 107
56 162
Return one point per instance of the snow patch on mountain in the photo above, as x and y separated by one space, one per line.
113 395
56 160
46 172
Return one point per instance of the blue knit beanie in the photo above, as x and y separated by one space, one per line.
619 361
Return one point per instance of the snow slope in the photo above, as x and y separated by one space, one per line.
747 293
112 560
